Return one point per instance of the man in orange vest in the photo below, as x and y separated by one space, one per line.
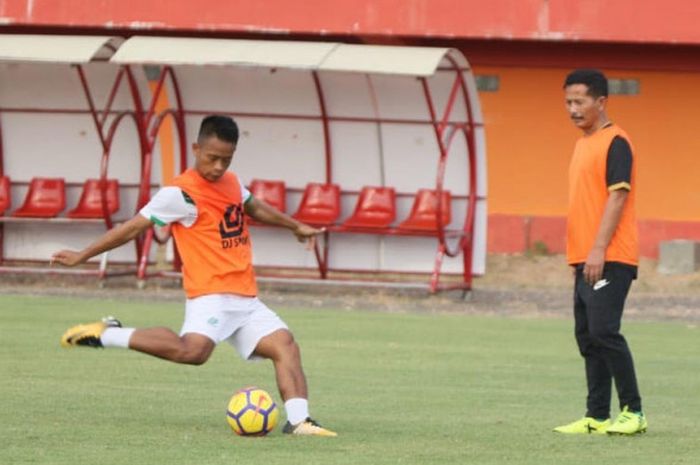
602 248
206 208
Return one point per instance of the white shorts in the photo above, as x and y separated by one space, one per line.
241 321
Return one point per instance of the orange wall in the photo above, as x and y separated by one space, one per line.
530 139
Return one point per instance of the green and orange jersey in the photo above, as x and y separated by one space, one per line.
210 231
602 162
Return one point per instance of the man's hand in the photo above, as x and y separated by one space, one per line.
67 258
305 233
593 268
261 211
113 238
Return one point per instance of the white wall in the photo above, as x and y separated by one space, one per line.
403 156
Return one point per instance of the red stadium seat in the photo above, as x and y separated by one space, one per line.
423 214
46 198
375 208
90 203
320 204
5 198
272 192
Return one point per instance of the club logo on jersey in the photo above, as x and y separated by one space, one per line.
231 227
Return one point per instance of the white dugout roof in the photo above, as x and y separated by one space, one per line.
320 56
57 49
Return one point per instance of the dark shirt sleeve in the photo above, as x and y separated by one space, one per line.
619 165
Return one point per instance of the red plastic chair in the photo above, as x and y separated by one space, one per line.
375 208
423 214
90 203
5 198
272 192
320 204
46 198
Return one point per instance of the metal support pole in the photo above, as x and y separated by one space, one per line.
326 128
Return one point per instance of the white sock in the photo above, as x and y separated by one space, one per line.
116 337
297 410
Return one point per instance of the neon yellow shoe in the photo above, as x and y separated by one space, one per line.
88 334
585 425
308 427
628 423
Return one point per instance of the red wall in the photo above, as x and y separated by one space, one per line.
519 233
556 20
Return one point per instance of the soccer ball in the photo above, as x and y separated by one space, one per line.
252 412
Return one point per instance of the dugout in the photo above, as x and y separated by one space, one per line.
363 138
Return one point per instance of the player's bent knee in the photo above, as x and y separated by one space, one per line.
278 345
289 351
194 350
192 358
287 341
293 347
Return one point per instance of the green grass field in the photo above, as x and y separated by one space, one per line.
399 388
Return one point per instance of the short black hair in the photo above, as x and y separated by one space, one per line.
223 127
594 79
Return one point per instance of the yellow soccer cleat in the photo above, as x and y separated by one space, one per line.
308 427
88 334
585 425
628 423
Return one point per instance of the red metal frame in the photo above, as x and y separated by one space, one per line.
107 138
151 234
322 257
142 120
148 125
464 245
2 153
465 235
152 124
326 128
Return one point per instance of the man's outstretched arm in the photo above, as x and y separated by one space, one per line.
265 213
111 239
